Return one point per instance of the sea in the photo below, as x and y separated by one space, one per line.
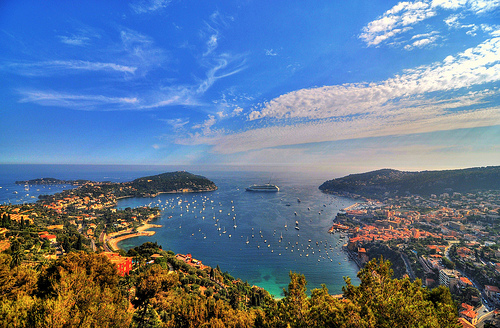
258 237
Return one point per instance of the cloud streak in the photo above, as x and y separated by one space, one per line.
55 67
143 7
429 98
82 102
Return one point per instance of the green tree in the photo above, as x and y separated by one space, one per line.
294 306
80 290
386 302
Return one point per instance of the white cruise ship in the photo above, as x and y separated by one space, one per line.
266 187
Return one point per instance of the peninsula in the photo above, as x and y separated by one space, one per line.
90 207
387 183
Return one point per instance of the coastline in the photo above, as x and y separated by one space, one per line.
141 231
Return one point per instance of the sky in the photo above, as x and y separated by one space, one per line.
340 86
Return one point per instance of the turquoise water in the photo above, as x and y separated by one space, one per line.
192 228
245 234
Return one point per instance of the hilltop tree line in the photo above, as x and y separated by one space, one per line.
84 290
388 183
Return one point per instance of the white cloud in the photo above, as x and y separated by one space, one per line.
421 43
474 66
142 7
207 124
65 66
402 17
396 20
424 99
80 102
177 123
271 52
75 40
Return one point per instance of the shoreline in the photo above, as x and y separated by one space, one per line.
141 231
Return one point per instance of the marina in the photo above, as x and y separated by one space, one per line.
259 248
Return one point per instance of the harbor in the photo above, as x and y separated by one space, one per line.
258 237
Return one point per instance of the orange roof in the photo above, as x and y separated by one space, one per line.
465 281
469 313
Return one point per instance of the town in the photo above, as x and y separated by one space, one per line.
446 239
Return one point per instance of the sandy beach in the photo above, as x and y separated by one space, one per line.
141 231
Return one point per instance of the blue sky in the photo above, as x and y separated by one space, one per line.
329 85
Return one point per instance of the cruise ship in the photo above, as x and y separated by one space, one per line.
266 187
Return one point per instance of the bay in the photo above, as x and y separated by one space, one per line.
189 226
253 235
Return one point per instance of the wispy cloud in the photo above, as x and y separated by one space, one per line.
80 102
75 40
148 6
424 99
139 48
226 65
271 52
83 36
54 67
177 123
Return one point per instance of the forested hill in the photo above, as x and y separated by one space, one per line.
387 182
172 182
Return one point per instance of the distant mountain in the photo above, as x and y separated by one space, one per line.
388 183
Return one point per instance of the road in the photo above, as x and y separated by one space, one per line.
411 274
481 291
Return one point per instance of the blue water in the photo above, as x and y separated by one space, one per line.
260 249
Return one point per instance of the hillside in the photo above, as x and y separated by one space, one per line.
172 182
388 183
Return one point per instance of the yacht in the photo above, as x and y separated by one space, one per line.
265 187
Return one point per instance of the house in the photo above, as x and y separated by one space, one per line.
123 263
467 312
493 292
465 282
51 238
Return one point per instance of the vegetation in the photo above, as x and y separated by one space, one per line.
53 181
386 182
84 290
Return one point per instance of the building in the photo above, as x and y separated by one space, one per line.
51 238
493 292
123 263
188 259
448 278
467 312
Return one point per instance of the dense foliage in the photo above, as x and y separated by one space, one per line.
387 182
84 290
172 181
